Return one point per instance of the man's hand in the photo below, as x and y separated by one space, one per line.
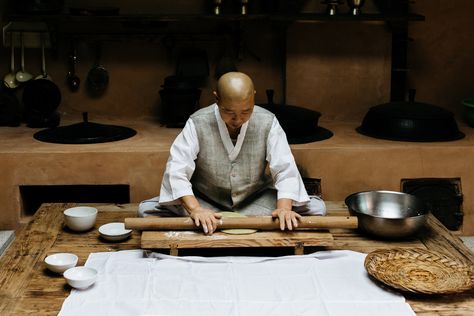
205 218
288 218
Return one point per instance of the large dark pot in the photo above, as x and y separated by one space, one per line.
84 132
179 99
299 124
410 121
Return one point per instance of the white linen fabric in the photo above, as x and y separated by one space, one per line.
329 283
180 166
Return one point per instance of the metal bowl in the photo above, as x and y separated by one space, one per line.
388 214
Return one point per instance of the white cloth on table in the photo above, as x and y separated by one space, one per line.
180 166
327 283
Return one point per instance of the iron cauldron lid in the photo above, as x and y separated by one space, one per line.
84 133
410 121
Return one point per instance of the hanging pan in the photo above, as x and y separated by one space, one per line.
41 98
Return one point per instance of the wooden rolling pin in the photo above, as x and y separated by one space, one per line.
257 222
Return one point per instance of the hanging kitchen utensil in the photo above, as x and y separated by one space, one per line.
43 74
72 80
41 97
410 121
98 76
299 124
22 75
10 79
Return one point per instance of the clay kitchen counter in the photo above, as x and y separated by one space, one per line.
26 287
346 163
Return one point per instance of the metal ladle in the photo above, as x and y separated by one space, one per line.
22 75
44 74
10 78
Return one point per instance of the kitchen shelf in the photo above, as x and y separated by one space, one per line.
144 18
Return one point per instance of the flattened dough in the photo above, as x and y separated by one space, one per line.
236 231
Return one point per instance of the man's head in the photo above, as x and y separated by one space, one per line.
235 98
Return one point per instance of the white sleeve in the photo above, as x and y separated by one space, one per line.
180 166
285 174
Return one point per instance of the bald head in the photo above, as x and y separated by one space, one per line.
235 87
235 99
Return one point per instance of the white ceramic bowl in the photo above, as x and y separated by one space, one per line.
60 262
114 231
80 218
80 277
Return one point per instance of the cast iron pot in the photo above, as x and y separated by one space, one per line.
299 124
410 121
84 132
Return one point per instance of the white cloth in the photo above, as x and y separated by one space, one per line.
328 283
180 166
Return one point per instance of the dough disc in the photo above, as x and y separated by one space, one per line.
236 231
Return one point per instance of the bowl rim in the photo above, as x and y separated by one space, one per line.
71 209
424 213
50 257
67 273
103 232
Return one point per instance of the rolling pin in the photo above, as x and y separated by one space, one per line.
257 222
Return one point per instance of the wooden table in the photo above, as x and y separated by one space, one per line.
26 287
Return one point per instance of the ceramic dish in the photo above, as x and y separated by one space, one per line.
60 262
80 218
114 231
80 277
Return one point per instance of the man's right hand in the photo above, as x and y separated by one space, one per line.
206 218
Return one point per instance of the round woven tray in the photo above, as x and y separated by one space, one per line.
420 271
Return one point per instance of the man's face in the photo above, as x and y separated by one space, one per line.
235 113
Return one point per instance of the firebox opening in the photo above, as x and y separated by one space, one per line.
32 196
443 197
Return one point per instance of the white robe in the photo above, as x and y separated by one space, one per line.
180 167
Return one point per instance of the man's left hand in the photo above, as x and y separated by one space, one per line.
288 218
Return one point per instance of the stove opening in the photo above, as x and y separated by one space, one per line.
312 186
32 196
443 196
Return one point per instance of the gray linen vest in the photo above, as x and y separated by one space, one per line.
217 178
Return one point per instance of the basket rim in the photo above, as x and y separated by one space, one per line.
386 266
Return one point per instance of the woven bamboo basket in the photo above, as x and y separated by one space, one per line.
420 271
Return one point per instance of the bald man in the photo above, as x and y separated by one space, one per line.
219 163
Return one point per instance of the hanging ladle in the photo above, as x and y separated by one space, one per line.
10 78
22 75
44 74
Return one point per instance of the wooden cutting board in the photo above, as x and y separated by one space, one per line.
175 240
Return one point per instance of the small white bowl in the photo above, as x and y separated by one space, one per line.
114 231
60 262
80 218
80 277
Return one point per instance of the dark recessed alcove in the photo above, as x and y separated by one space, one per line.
443 197
32 196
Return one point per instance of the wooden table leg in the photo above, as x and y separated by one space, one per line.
299 248
174 250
